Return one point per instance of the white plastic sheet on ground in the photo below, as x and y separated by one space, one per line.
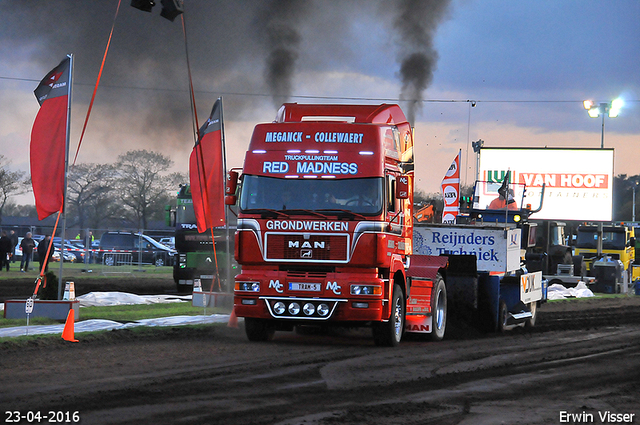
118 298
559 292
93 299
107 325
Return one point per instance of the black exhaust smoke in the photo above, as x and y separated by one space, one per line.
416 25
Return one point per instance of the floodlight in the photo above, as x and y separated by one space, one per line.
144 5
171 9
594 112
616 105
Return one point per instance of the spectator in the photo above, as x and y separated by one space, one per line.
42 253
27 245
5 250
14 242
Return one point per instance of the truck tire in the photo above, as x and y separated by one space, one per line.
159 262
389 333
109 260
579 266
438 309
533 307
502 317
258 330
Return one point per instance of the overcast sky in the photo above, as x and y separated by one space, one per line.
526 65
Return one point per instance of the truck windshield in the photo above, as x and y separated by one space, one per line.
360 196
184 212
556 236
588 239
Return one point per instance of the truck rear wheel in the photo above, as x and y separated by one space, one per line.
533 307
438 309
258 329
389 334
503 313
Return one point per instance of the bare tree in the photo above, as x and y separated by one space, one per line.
11 183
91 194
143 182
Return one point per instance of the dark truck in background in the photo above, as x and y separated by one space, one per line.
194 251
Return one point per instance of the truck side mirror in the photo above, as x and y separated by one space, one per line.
402 187
230 188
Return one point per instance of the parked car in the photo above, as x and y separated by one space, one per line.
170 242
68 256
78 253
136 247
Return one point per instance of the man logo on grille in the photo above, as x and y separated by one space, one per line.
306 244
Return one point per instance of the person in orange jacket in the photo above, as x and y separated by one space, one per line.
501 203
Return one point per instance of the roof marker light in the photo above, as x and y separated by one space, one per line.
366 153
312 151
328 177
310 177
259 151
291 176
330 152
293 151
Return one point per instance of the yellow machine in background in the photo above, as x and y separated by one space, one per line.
618 242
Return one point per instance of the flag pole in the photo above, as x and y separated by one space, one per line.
226 210
66 172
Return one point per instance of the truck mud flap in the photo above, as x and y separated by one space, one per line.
488 302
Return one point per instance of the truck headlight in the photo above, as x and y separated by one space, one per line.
279 307
309 309
366 290
294 308
323 309
248 286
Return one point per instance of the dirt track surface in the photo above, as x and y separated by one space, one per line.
583 358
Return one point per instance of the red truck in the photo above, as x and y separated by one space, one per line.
325 229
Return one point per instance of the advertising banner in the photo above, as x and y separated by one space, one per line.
578 182
451 192
496 249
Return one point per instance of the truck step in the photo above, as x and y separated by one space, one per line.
515 318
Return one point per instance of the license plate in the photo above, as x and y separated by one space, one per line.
206 276
295 286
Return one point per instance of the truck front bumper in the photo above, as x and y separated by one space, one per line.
309 309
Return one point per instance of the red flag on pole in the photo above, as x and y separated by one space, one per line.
48 140
206 173
451 191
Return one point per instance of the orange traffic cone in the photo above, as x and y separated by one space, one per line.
233 319
68 332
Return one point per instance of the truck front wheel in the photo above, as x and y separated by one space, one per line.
258 329
438 309
389 333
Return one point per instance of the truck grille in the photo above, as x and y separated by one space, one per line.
294 247
301 274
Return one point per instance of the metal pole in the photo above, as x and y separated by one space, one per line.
602 136
633 204
228 276
66 171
